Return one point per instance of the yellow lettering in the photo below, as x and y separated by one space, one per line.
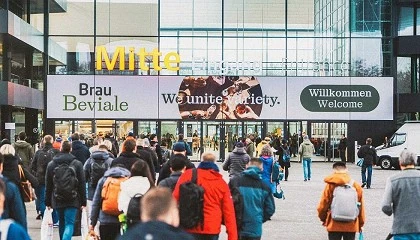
156 54
131 59
142 59
168 61
110 65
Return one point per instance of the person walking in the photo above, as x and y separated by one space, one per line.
24 150
257 198
127 156
177 149
79 149
236 161
338 230
13 207
105 203
65 189
342 146
250 147
266 156
218 204
10 230
306 150
284 153
368 153
178 166
402 197
39 167
160 218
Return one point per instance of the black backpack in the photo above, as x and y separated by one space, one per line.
134 211
191 203
44 157
65 182
98 168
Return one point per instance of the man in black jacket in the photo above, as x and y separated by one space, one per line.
177 148
368 153
177 168
79 150
66 207
39 167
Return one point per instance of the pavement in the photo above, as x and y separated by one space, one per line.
296 216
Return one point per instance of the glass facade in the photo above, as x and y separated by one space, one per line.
275 38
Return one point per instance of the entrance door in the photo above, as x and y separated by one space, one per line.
211 138
192 134
295 132
169 132
232 135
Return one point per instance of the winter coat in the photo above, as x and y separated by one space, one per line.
401 198
16 231
24 151
126 160
155 230
147 156
96 212
80 151
165 171
50 200
154 156
14 207
236 162
87 168
258 201
280 152
260 146
306 149
131 187
368 153
41 159
171 181
250 149
324 212
218 204
267 170
11 171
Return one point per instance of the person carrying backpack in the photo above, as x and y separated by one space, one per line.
257 201
178 166
65 189
133 189
205 201
284 158
368 153
341 208
105 203
9 229
39 167
94 169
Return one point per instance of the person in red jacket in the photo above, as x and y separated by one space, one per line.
218 204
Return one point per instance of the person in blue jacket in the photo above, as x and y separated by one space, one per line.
13 205
258 202
9 227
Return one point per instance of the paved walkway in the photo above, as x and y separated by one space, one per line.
296 216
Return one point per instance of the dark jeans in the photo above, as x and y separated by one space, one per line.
205 236
341 235
367 180
109 231
67 217
343 155
40 198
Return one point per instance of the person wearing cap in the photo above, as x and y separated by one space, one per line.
177 148
306 149
237 160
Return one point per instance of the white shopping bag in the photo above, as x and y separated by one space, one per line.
84 227
47 225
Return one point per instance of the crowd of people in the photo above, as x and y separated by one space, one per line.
144 190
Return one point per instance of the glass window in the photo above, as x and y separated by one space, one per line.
76 20
406 21
403 75
137 17
397 139
368 57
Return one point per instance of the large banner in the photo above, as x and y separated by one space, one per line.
219 97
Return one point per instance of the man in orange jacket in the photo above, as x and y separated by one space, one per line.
338 230
218 204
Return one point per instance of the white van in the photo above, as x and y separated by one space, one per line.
407 137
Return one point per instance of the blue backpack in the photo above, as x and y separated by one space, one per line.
286 154
276 173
